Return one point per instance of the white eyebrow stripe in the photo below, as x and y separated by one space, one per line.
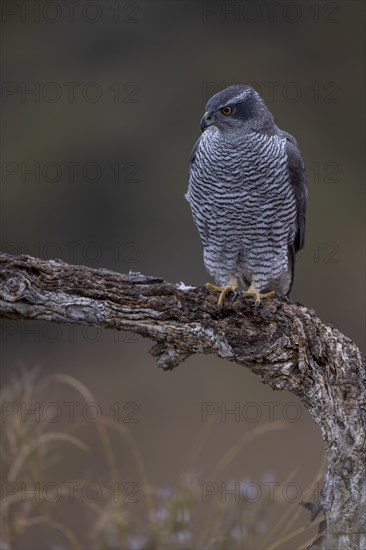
238 97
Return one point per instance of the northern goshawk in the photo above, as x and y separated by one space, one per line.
247 191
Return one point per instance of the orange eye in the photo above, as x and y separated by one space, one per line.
227 110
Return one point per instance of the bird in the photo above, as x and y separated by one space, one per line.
247 189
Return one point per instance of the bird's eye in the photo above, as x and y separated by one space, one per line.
227 110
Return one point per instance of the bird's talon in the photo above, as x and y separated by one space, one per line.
257 296
224 291
236 295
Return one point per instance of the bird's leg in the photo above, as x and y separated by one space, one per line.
232 286
252 291
210 286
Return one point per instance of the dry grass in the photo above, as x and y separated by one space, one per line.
164 519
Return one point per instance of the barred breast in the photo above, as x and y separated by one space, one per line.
244 207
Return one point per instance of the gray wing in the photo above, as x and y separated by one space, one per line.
299 183
193 153
192 158
201 225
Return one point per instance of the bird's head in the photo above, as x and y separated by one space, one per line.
238 107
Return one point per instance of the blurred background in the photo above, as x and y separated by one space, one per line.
101 103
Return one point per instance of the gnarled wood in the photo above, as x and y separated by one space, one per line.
284 343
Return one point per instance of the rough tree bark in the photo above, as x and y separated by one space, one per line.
284 343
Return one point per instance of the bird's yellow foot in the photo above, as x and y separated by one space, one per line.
252 291
232 286
210 286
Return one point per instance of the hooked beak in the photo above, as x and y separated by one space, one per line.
207 120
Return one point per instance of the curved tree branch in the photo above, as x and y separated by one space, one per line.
284 343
